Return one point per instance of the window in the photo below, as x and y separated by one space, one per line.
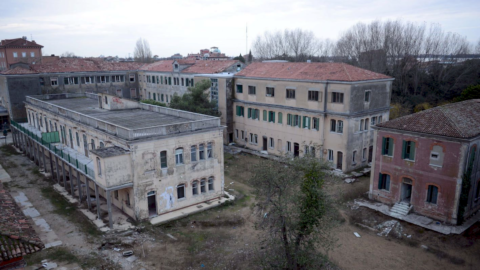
289 147
379 119
132 77
366 124
24 54
115 194
384 181
169 80
183 81
158 81
191 82
408 150
120 78
54 81
337 97
236 133
316 123
163 159
291 93
280 118
76 135
195 188
127 201
270 92
15 55
367 96
436 156
210 184
201 152
209 150
102 79
336 126
239 88
193 153
387 146
242 134
102 145
179 156
354 156
293 120
306 122
202 186
240 111
32 54
89 80
330 155
252 90
360 128
180 191
161 97
272 143
313 95
264 115
364 154
271 117
432 194
93 144
70 80
374 120
253 138
99 166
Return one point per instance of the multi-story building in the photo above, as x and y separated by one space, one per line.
18 50
326 109
161 80
428 161
65 75
145 160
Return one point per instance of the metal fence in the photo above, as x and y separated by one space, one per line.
58 150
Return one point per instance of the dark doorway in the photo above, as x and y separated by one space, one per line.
264 144
230 137
152 204
296 150
370 154
339 160
406 191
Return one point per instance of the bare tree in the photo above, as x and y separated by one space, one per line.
68 54
477 47
142 52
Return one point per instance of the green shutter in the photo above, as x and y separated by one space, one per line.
280 118
412 151
404 150
238 110
390 147
264 115
387 182
304 122
384 141
299 120
309 122
273 117
380 181
289 119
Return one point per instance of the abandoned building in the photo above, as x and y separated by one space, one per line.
422 161
18 50
326 109
145 160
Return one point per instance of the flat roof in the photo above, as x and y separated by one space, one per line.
128 118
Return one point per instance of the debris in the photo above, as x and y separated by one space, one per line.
424 247
388 226
127 253
350 180
48 265
265 216
132 258
116 249
356 234
409 236
171 236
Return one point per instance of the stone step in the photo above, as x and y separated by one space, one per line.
401 208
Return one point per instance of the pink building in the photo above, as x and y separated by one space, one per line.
18 50
421 162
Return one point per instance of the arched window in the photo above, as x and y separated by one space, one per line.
99 166
179 156
163 159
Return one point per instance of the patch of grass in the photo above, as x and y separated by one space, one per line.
64 208
36 171
9 150
60 254
10 165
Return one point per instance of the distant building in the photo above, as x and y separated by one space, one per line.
208 54
420 161
18 50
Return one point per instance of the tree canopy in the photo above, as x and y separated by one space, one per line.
471 92
196 100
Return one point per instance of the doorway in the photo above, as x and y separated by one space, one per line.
370 154
406 194
264 144
230 137
296 150
152 204
339 160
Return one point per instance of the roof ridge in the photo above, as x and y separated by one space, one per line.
348 74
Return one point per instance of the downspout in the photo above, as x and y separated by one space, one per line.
325 98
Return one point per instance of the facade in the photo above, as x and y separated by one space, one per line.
421 161
18 50
326 109
161 80
212 54
145 160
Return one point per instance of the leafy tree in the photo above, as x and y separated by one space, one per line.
397 110
471 92
153 102
422 107
297 214
240 58
196 100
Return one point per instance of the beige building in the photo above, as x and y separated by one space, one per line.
326 109
145 160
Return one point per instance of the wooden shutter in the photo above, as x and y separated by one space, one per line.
380 181
289 119
404 150
390 146
264 115
412 151
280 118
387 182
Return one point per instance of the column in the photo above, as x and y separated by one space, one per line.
98 200
70 175
79 186
43 157
88 192
64 176
58 169
109 204
51 164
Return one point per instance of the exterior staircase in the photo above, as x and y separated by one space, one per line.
401 208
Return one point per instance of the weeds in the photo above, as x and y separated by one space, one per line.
9 150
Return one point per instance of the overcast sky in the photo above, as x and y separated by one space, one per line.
111 27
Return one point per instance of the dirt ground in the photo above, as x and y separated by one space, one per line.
226 238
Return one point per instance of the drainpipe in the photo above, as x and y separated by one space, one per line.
325 99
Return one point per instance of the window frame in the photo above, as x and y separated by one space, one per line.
271 90
210 184
252 90
193 153
163 159
179 156
290 93
432 196
182 186
384 184
239 88
337 97
313 95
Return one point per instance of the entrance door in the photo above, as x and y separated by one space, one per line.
406 191
264 143
339 160
296 150
370 154
230 137
152 203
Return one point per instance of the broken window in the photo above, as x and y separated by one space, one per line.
270 92
387 146
408 150
193 153
132 77
202 186
195 188
209 150
163 159
181 191
291 93
367 96
54 81
201 152
252 90
239 88
384 181
210 184
432 194
118 78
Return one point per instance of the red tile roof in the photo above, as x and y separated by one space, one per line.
209 66
310 72
17 236
162 66
457 120
18 70
19 42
